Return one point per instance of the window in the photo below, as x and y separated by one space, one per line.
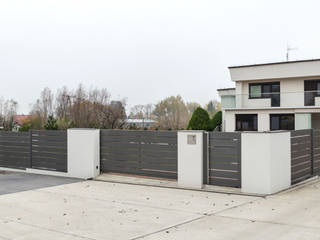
281 122
246 122
255 91
311 90
266 90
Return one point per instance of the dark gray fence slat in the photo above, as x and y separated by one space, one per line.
14 149
225 159
301 155
150 153
49 150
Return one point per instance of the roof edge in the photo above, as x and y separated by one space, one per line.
225 89
274 63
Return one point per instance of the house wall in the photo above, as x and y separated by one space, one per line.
228 102
291 94
303 119
276 71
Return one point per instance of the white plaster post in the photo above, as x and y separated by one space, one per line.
83 153
265 162
190 159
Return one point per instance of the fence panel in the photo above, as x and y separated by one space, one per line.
301 155
49 150
316 151
148 153
225 159
14 149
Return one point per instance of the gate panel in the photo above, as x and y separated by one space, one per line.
148 153
301 155
14 149
225 159
49 150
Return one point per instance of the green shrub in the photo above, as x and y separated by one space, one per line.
51 123
215 122
199 120
25 127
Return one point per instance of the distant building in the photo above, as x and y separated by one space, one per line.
139 123
18 120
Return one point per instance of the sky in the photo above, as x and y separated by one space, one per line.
146 50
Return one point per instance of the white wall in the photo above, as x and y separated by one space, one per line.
302 121
265 162
276 71
83 153
190 160
263 121
291 94
229 121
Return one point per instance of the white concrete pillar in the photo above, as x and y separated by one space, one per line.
190 159
230 121
302 121
265 162
263 122
83 153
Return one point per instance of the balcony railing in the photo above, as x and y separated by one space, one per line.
282 99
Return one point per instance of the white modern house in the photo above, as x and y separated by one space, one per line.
272 96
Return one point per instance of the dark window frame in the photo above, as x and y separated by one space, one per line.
247 115
309 92
281 115
262 84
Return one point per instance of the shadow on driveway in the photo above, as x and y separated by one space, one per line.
11 182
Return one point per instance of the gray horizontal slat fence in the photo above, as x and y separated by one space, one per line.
146 153
301 155
225 159
14 149
49 150
316 151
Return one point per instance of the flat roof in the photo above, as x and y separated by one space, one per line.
275 63
225 89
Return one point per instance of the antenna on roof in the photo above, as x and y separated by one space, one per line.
290 49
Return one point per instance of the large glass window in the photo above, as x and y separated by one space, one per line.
266 90
281 122
311 90
246 122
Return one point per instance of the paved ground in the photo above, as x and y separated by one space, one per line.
11 182
101 210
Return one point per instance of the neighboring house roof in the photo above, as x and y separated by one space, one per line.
132 120
20 119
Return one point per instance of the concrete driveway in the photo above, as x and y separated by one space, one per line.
11 182
101 210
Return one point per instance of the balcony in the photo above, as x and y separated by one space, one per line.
282 99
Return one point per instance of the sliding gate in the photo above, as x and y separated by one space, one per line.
224 168
147 153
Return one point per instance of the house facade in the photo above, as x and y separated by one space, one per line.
272 96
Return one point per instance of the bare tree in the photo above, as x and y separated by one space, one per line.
9 109
142 111
44 106
113 115
171 113
63 103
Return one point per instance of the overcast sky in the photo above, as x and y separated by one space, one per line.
145 50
